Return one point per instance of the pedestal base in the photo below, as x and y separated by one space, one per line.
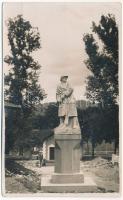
67 178
87 187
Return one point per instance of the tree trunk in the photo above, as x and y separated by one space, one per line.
93 148
87 148
115 146
20 151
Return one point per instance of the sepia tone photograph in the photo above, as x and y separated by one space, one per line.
61 98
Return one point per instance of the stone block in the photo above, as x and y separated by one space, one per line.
67 178
67 153
88 186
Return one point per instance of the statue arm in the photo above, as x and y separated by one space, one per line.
61 95
58 94
69 91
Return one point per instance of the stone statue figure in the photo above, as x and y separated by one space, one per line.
67 111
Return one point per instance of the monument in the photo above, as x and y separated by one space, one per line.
67 176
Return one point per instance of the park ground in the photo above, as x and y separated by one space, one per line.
23 176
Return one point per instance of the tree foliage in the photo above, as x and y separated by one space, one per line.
102 84
22 80
100 125
47 118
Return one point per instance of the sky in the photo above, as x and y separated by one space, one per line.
61 27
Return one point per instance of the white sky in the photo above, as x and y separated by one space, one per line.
61 26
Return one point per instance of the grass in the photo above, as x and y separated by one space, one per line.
28 178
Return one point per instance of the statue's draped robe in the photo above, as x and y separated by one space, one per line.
67 103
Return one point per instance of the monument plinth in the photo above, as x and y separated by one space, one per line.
67 157
67 176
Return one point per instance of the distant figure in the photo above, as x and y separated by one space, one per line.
44 162
67 105
40 157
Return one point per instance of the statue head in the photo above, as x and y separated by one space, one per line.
63 78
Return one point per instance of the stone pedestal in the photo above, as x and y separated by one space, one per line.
67 176
67 157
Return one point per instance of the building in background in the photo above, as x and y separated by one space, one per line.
49 148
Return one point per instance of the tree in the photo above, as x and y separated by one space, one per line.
92 123
22 80
102 84
52 115
21 83
11 127
110 126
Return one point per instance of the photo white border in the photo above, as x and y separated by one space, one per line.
86 196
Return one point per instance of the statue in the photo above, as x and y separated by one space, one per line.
67 111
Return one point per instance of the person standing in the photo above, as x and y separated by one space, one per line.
40 157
